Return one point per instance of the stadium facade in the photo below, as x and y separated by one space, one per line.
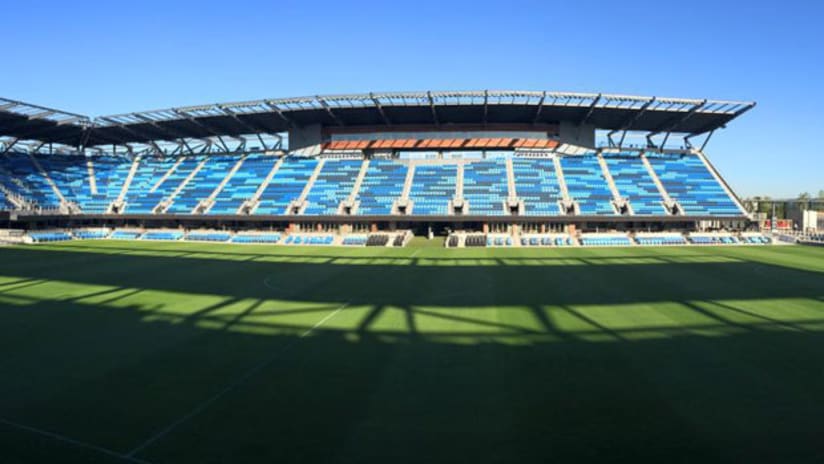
483 161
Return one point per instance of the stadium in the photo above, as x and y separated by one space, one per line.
494 276
515 166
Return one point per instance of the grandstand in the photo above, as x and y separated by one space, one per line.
194 285
419 161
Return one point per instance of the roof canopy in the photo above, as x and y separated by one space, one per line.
269 116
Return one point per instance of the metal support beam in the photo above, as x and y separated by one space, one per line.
486 106
10 146
380 109
732 116
626 126
40 115
37 147
432 108
84 139
329 111
706 141
143 138
664 142
590 110
262 143
249 127
277 111
672 124
223 143
540 108
196 122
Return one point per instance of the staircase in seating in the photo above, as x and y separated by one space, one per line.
359 181
167 174
57 192
402 204
118 202
668 201
350 204
301 201
13 198
164 205
92 180
459 178
559 173
206 204
251 204
510 179
407 183
617 200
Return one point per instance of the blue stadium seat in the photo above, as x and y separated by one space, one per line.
267 238
633 181
587 185
208 236
432 189
286 186
333 185
485 187
382 185
690 183
537 185
43 237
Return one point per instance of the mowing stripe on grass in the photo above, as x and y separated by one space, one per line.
231 386
71 441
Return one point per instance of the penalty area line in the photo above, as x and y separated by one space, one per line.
237 382
71 441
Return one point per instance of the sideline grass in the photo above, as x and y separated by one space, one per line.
489 355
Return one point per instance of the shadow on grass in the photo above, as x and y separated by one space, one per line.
604 280
735 385
111 378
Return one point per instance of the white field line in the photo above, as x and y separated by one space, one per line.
238 381
72 441
416 252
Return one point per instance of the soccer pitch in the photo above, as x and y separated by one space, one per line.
117 352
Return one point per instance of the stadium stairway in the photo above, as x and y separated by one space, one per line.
117 204
403 203
63 202
299 204
459 180
671 205
172 169
351 203
407 183
12 190
569 204
205 205
17 201
250 205
92 180
621 204
510 179
166 202
559 173
457 199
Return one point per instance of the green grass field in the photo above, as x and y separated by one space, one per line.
118 352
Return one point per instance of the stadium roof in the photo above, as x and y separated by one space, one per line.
269 116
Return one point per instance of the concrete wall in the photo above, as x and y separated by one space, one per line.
582 135
305 140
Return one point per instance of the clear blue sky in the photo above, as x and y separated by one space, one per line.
109 57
